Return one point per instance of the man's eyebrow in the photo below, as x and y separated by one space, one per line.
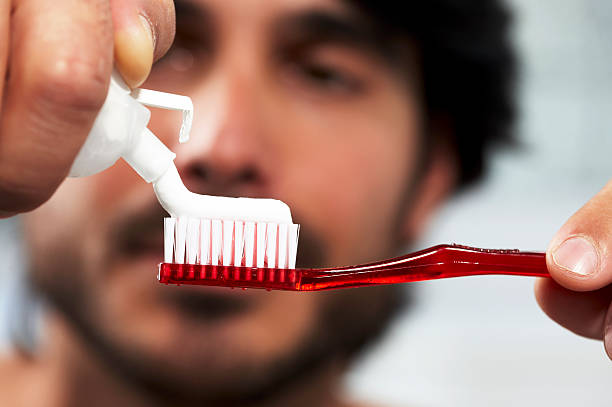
322 26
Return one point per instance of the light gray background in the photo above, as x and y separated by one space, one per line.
483 341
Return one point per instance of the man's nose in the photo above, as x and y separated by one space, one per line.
227 149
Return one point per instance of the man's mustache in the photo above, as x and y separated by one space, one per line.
137 229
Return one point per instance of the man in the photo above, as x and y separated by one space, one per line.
361 117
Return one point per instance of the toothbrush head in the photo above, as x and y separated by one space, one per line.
230 253
228 242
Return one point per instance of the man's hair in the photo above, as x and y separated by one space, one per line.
467 64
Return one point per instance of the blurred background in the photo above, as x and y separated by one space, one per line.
483 341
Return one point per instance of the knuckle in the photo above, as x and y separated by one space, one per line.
74 83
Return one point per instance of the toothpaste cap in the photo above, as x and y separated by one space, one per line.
120 131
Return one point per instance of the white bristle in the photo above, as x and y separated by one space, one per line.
282 245
181 237
271 244
169 226
216 242
230 242
238 243
205 241
249 244
193 241
260 240
294 231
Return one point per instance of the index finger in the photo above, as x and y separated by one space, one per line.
61 59
60 64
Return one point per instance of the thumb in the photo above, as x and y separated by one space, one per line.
578 255
143 32
578 261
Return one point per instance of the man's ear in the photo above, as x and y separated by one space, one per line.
438 180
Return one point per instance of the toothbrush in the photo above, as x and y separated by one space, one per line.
246 242
242 262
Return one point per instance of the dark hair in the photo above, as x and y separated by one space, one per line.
468 67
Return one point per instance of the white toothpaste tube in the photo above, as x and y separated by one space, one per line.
120 131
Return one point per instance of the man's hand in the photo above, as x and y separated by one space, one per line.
56 59
579 259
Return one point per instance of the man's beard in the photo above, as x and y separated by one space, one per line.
346 321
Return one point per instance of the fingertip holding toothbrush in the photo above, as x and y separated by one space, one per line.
250 242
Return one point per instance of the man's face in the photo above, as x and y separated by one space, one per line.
291 102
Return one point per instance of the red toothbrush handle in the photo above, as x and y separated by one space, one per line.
444 261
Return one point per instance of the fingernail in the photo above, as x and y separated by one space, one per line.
577 255
134 45
146 25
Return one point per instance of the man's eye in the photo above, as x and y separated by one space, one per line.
328 77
